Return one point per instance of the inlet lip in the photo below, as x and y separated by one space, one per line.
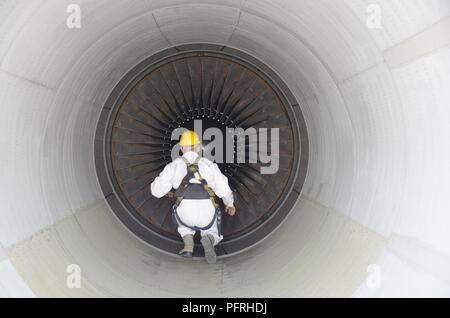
119 203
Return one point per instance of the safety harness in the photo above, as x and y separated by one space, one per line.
195 191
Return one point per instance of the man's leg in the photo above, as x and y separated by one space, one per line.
188 238
210 238
214 232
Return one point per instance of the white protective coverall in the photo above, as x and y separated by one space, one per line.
194 212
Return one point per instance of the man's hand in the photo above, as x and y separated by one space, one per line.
231 210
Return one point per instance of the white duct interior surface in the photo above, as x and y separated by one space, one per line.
374 216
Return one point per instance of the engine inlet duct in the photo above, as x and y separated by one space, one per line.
211 87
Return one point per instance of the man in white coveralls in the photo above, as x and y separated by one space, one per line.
196 180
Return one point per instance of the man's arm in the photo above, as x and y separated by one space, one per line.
163 183
223 190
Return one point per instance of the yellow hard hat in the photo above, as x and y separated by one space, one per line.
189 138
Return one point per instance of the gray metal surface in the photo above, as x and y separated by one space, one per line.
373 217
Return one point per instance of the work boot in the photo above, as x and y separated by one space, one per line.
208 245
188 249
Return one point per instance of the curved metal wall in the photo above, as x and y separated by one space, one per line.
375 102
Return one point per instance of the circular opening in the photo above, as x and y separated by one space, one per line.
208 89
